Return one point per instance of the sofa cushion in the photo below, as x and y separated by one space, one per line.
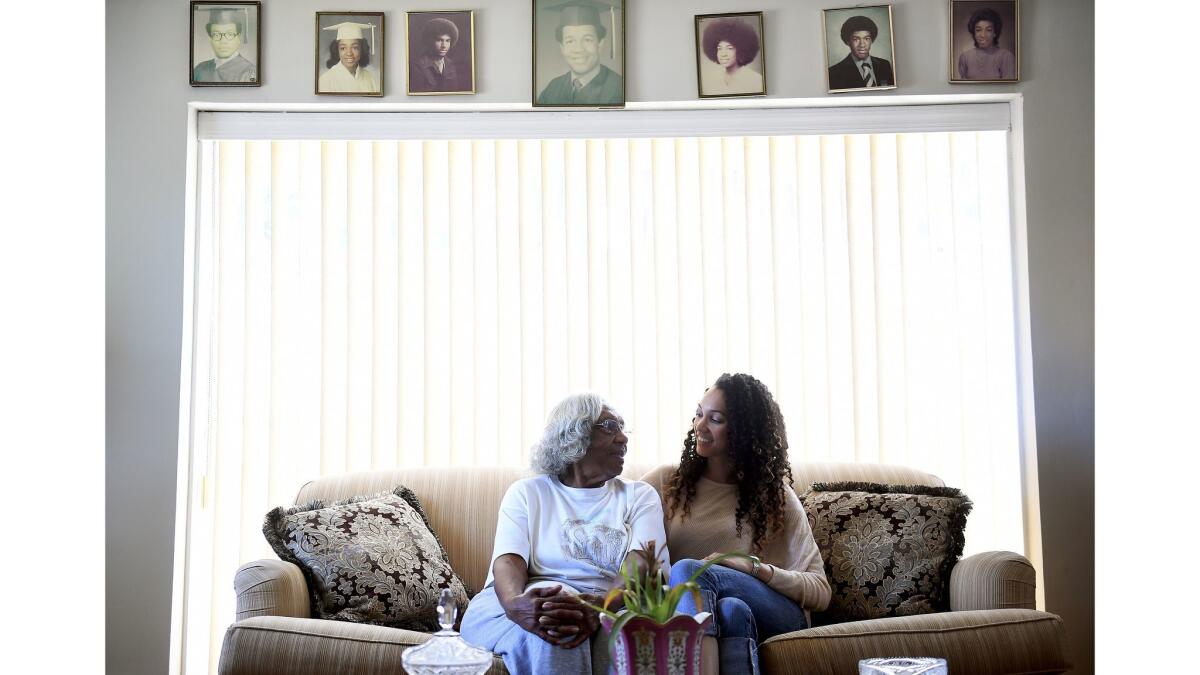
888 549
279 645
981 642
367 559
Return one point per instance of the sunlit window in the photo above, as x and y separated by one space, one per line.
369 304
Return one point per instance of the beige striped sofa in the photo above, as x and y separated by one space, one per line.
992 628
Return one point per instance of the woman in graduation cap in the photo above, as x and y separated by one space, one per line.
349 56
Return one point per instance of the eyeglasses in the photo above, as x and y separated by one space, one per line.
228 37
611 426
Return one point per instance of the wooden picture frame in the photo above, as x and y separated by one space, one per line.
578 53
225 44
349 54
731 55
994 24
854 36
441 52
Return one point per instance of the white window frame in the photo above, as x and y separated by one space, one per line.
893 114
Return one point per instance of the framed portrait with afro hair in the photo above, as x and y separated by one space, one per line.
860 48
441 53
731 55
983 42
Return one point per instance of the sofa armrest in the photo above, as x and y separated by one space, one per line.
993 580
271 588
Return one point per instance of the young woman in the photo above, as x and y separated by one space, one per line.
987 60
731 492
349 56
730 45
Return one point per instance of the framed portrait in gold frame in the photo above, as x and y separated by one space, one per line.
860 48
984 41
349 54
441 53
731 55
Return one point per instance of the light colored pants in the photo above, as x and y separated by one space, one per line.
524 653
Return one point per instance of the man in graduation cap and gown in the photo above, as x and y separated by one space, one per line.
588 82
349 54
225 28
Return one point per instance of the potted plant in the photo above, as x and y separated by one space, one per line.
647 637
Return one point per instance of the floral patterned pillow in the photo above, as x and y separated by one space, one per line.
888 549
367 559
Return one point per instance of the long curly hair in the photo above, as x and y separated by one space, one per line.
758 449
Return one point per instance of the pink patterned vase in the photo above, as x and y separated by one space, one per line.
645 647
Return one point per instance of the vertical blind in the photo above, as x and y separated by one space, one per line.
369 304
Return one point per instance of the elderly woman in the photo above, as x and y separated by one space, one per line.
433 70
562 537
731 45
987 60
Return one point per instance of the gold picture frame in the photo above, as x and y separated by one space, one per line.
349 50
731 55
431 71
1000 61
844 33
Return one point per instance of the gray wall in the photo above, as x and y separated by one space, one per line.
146 118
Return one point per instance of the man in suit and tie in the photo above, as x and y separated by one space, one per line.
860 70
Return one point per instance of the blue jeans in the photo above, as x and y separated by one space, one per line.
746 611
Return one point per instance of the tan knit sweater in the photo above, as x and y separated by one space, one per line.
709 528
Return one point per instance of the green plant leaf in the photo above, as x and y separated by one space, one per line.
647 591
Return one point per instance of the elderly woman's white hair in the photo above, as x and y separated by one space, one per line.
568 433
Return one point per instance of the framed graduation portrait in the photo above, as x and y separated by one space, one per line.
349 59
441 53
224 44
984 39
860 48
731 55
579 53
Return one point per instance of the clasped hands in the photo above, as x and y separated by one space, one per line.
556 616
